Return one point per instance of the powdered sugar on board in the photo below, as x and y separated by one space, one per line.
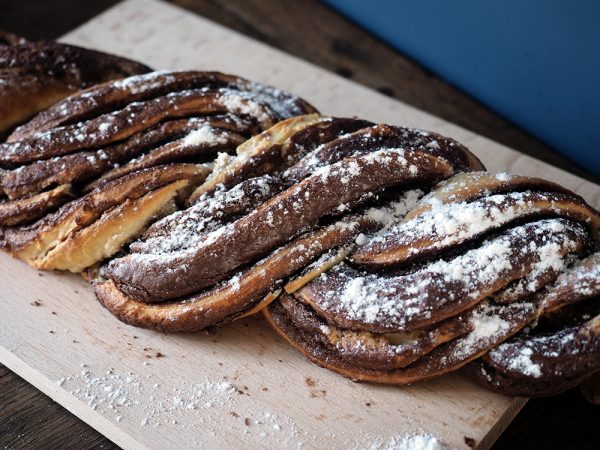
197 390
415 441
196 407
181 404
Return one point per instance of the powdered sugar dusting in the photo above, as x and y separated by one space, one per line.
582 278
487 326
243 104
138 84
397 301
447 224
391 213
537 355
204 221
522 363
196 227
417 441
203 135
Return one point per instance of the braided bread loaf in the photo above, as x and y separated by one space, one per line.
89 173
479 259
303 188
384 253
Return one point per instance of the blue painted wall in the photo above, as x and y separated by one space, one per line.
535 62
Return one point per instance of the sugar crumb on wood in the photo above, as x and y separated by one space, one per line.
190 407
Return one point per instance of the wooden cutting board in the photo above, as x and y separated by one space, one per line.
242 385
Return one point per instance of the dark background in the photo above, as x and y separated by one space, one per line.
29 419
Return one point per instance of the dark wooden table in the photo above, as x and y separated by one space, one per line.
29 419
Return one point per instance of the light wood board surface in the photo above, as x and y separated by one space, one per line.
241 386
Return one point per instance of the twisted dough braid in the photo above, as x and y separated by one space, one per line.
479 259
158 132
383 253
306 186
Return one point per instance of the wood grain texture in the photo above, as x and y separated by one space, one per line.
111 376
247 17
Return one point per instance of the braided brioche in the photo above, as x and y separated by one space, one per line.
479 259
88 174
386 254
330 179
